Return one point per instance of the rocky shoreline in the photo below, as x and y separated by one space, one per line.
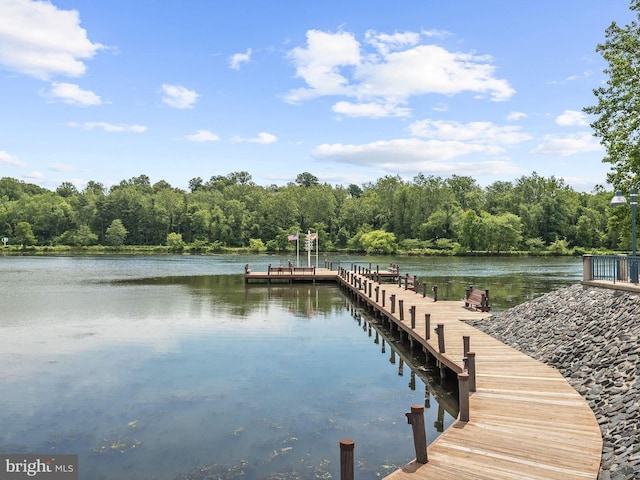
591 335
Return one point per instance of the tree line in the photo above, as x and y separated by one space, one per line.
427 214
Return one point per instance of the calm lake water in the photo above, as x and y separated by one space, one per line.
169 367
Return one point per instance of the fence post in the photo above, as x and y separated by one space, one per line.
465 345
435 293
416 419
463 400
471 365
587 268
346 459
440 332
427 324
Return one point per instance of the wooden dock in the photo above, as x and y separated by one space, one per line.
525 421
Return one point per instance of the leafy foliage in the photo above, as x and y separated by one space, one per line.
618 102
426 215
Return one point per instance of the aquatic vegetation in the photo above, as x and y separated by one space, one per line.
117 444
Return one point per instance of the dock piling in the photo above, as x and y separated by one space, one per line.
471 368
347 447
415 418
463 400
427 324
440 333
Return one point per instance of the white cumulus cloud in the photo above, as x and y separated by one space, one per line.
62 167
177 96
568 145
415 155
73 95
476 132
239 58
110 127
203 136
572 118
370 110
398 67
7 159
40 40
513 116
263 138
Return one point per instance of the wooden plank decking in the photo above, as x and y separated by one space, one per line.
526 421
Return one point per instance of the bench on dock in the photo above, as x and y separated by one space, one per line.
477 299
304 270
280 270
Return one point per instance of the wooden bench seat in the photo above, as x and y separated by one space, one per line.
477 299
279 270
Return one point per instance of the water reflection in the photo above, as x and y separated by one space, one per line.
187 377
170 367
442 389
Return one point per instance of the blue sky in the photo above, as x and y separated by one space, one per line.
349 91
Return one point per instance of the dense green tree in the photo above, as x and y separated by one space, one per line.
501 232
378 242
175 242
23 234
196 184
231 210
470 230
618 102
67 189
78 237
116 233
306 180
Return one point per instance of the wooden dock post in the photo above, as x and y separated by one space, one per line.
471 368
346 459
370 288
406 281
401 307
465 345
412 312
393 303
383 297
463 400
440 332
427 324
435 293
415 418
424 290
377 293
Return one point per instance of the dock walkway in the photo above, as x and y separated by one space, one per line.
525 421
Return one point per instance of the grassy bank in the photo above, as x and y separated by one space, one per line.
199 250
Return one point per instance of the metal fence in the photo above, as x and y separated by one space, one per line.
611 268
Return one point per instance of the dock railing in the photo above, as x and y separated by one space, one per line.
610 268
